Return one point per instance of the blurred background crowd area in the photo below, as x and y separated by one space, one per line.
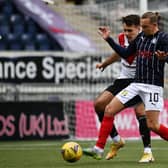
67 26
20 32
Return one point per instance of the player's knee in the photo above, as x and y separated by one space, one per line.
108 110
139 110
153 126
99 107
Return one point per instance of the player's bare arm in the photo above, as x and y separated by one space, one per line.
109 60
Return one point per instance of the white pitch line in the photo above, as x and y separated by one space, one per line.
28 145
23 149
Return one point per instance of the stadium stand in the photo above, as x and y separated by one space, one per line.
17 30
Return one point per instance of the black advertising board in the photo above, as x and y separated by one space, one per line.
33 120
53 69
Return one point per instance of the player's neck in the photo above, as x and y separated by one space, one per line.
155 31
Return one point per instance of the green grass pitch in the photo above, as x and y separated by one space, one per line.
46 154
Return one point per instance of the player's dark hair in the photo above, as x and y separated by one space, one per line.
130 20
153 16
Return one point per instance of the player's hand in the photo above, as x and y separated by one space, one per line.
100 66
104 32
162 55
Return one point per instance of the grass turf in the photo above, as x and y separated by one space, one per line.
46 154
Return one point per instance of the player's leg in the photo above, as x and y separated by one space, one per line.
145 134
118 142
106 126
143 129
100 103
155 126
153 99
114 89
114 107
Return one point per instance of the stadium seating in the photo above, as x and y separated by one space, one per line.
31 26
28 42
3 44
17 30
42 42
4 27
7 8
14 42
17 24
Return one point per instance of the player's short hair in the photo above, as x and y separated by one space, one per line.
153 16
132 19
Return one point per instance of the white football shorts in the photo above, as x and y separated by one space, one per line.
151 95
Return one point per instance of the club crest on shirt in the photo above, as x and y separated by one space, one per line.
124 92
153 41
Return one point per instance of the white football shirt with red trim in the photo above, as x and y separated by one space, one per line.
128 67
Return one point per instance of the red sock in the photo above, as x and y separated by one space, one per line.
163 132
105 129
